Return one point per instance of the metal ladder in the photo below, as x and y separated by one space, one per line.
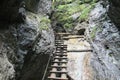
59 64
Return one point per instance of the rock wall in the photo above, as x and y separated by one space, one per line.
104 37
114 12
26 41
7 55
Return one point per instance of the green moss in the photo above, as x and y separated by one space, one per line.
110 54
31 15
87 1
99 29
43 27
44 23
93 32
64 1
95 29
45 19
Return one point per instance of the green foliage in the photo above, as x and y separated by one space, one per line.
68 25
85 13
65 9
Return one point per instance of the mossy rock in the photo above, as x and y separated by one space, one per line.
93 32
45 19
44 23
63 1
42 20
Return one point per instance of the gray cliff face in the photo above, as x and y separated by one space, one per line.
104 37
28 38
7 56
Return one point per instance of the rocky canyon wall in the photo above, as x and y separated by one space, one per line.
26 39
104 36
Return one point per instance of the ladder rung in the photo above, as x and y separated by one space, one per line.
63 33
60 57
58 40
59 61
61 49
62 45
60 54
57 78
58 71
89 50
59 66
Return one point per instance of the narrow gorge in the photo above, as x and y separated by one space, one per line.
28 38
